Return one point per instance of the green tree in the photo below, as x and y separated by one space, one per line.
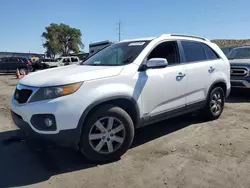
62 40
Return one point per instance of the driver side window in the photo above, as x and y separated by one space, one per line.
167 50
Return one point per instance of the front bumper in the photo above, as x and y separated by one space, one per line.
67 111
240 84
64 137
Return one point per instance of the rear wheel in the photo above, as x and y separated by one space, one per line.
107 134
215 104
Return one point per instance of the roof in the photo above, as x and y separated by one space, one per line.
174 36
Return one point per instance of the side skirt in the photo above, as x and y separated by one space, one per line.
151 119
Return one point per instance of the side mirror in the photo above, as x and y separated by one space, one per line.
156 63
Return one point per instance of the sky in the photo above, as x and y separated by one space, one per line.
23 21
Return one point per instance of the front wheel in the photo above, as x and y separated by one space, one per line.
215 104
107 134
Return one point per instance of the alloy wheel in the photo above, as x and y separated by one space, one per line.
216 103
107 135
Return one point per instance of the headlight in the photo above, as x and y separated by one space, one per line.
55 92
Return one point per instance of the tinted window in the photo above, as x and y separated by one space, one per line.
23 60
14 60
167 50
211 55
239 53
7 60
74 59
193 51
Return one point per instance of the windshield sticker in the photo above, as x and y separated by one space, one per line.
136 44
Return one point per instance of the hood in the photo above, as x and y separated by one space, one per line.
69 74
240 62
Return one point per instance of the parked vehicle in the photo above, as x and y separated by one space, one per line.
11 64
39 65
69 60
239 59
49 63
99 103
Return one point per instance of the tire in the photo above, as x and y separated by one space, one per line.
89 145
214 107
23 70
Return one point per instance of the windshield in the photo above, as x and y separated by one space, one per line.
239 53
117 54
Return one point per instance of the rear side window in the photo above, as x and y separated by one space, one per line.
211 55
193 51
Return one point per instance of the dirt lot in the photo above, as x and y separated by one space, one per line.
182 152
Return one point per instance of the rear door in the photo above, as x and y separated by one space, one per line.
197 66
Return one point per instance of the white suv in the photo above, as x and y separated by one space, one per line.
99 103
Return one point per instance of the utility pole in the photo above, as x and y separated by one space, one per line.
119 30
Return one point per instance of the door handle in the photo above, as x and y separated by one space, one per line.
180 76
211 69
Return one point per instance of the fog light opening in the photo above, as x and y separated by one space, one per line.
48 122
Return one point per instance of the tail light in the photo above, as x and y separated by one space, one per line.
29 63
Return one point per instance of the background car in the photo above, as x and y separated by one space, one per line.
69 60
11 64
239 59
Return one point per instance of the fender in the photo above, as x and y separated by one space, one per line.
94 104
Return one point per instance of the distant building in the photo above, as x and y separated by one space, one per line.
20 54
95 47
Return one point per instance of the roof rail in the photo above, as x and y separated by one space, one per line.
189 36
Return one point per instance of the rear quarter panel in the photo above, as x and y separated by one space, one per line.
223 66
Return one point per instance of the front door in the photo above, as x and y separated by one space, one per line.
164 89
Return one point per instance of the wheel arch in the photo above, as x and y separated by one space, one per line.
127 103
220 83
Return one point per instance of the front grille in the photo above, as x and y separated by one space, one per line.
239 71
22 96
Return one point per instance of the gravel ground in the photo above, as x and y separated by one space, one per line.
181 152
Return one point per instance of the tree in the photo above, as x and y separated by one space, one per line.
62 39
